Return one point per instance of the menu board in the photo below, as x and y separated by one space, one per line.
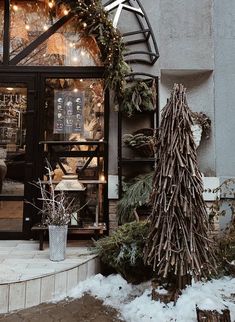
68 116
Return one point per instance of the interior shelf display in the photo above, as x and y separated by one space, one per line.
13 103
138 119
86 183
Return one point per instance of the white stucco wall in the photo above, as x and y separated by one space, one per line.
224 25
196 40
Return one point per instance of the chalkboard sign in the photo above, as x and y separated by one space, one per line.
68 115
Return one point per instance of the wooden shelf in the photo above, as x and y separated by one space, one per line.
137 160
73 142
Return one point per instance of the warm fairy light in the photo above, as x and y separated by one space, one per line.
75 58
83 53
51 4
27 27
66 12
99 105
84 24
81 80
45 27
10 88
75 90
102 178
91 86
15 7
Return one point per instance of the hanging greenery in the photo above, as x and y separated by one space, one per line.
138 97
93 20
136 194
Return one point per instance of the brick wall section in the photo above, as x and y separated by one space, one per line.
113 223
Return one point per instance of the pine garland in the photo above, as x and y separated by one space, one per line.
93 20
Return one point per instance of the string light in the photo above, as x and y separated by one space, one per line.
71 45
75 90
45 27
83 53
102 178
51 4
15 7
66 12
75 58
27 27
81 80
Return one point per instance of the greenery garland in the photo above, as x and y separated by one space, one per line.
93 20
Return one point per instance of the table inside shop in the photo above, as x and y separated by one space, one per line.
90 230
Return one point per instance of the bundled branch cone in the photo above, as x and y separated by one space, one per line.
178 243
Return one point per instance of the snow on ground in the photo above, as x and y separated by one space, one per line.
135 305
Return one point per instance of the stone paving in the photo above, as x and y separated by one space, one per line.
86 309
22 260
28 277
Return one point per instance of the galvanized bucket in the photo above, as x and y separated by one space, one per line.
57 242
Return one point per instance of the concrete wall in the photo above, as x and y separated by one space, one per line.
196 40
224 24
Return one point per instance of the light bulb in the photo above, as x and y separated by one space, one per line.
102 178
15 7
50 4
75 90
27 27
81 80
45 27
66 12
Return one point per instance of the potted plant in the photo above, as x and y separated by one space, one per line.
57 210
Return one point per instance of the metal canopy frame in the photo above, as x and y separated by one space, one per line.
150 55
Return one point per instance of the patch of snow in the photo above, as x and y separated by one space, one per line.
135 304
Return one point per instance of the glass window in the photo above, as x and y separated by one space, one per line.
1 29
73 127
13 104
66 47
28 21
74 109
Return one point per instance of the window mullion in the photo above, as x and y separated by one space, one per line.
6 34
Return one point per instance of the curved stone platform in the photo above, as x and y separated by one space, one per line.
28 277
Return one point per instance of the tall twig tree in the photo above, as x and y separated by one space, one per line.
178 245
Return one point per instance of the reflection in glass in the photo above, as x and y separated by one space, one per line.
66 47
1 29
11 214
28 21
74 111
13 103
76 107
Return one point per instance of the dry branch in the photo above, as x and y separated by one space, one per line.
178 241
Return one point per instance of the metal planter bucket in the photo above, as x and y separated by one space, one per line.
57 242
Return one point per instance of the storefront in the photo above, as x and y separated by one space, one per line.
52 106
58 60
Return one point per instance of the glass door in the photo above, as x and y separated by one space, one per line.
16 154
